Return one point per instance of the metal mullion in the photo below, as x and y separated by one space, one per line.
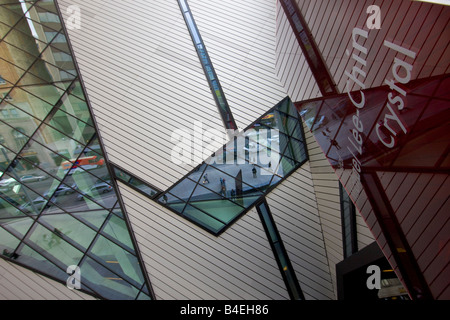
109 237
47 122
31 115
187 175
93 257
65 91
61 236
157 190
50 113
2 146
23 15
42 210
71 138
289 145
44 254
289 137
61 180
26 214
141 290
204 212
298 165
277 165
231 177
185 204
24 88
35 57
214 192
54 83
44 43
31 189
257 165
39 22
40 145
38 58
26 240
15 236
188 200
286 116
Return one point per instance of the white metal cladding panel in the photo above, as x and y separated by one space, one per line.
291 66
240 39
144 80
326 188
186 262
294 209
18 283
401 22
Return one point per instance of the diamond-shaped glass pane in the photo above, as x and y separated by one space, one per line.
58 205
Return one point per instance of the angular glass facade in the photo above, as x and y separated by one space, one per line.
230 182
58 204
211 76
280 253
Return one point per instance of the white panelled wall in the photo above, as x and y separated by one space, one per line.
240 39
144 81
186 262
162 88
18 283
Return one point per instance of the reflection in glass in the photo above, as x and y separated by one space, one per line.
58 206
51 243
119 260
30 257
228 183
105 281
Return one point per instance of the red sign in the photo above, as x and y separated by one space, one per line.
390 147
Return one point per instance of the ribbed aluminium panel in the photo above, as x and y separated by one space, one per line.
186 262
240 39
326 188
291 66
294 208
144 81
19 283
295 74
400 22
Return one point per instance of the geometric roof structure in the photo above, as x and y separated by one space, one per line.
126 173
59 209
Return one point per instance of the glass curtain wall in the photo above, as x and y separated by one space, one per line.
229 182
58 205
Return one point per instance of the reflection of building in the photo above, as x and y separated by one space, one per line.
88 172
28 60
